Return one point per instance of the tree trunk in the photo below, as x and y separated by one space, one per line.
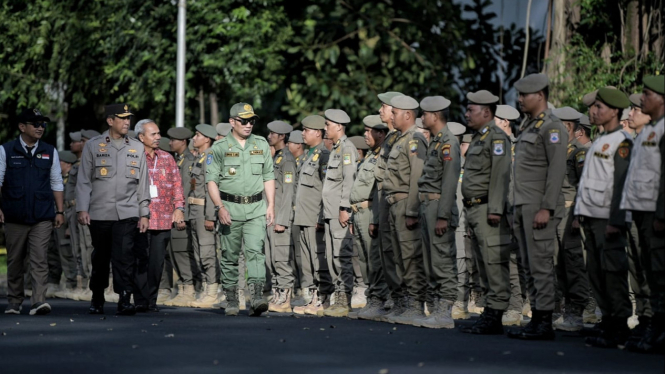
632 29
566 16
214 111
202 107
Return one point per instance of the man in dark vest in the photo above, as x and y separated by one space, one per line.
31 183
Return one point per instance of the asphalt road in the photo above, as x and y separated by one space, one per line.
183 340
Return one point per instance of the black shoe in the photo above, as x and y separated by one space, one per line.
653 340
596 330
97 303
488 324
125 307
153 308
615 333
540 328
141 308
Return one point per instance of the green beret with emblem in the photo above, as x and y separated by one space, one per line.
404 102
179 133
296 137
207 130
532 83
567 114
386 97
164 144
89 134
223 129
359 142
636 99
482 97
507 112
456 128
590 98
655 83
242 110
75 136
613 97
314 122
67 156
280 127
434 103
374 122
337 116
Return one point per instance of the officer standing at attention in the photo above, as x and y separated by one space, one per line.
278 239
112 196
182 252
297 149
439 215
403 169
572 282
485 190
239 171
202 217
337 211
598 205
540 165
31 185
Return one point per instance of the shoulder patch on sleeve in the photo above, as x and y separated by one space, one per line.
413 145
555 136
581 156
347 159
499 147
624 149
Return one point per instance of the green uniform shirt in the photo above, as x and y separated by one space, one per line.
380 169
574 164
363 186
441 173
185 163
241 171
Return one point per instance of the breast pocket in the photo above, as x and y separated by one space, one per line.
334 172
104 168
474 158
645 185
530 146
367 173
391 162
132 169
257 164
231 167
308 175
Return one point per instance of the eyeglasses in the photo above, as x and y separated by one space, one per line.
37 124
244 122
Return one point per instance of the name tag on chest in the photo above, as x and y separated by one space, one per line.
256 152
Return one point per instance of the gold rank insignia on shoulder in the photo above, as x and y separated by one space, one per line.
132 151
484 136
102 149
103 172
231 154
316 157
256 152
347 159
484 130
541 115
539 123
436 147
279 159
570 150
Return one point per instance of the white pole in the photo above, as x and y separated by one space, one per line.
180 74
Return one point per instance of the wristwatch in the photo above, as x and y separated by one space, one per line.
218 207
348 210
63 213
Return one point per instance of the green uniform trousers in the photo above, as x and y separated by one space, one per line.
638 261
571 276
439 255
315 272
296 261
518 289
248 236
607 266
278 252
339 249
492 251
537 248
369 254
408 251
655 248
205 251
391 272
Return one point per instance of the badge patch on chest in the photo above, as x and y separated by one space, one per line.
231 154
605 146
347 159
209 160
555 137
651 136
103 172
498 148
288 177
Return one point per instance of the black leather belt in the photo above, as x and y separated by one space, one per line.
241 199
475 201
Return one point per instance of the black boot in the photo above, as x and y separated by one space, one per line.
640 330
597 329
540 327
488 324
125 307
616 333
654 338
97 303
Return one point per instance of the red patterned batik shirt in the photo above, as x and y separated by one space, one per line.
165 177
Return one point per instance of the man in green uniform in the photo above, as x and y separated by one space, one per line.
239 171
485 190
540 166
403 169
278 239
438 213
337 211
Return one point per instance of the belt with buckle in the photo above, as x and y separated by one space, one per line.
427 196
475 201
361 205
195 201
399 196
241 199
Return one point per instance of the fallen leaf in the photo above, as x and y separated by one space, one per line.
53 324
421 364
560 353
215 362
109 329
71 320
169 336
135 346
383 371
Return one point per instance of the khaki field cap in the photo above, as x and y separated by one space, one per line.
359 142
67 156
567 114
179 133
314 122
590 98
636 99
207 130
75 136
280 127
404 102
296 137
118 110
242 110
434 103
613 98
337 116
655 83
374 122
89 134
223 128
386 97
532 83
456 128
164 144
482 97
584 121
507 112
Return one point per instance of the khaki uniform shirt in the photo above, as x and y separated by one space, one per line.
70 185
339 177
309 200
380 169
241 171
441 174
285 174
365 183
405 166
185 164
198 188
487 168
113 181
576 155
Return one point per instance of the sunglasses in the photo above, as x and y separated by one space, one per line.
37 124
251 121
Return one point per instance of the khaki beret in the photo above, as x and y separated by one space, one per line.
584 121
374 122
207 130
467 138
164 144
280 127
75 136
532 83
314 122
613 98
404 102
89 134
223 128
179 133
590 98
655 83
419 123
456 128
191 145
337 116
296 137
386 97
636 99
359 142
507 112
567 114
624 114
434 103
482 97
67 156
242 110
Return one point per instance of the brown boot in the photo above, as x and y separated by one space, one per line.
313 298
209 298
186 296
282 302
341 306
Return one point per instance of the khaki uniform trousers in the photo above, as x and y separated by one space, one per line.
369 255
279 260
408 251
27 242
655 247
439 255
315 272
205 251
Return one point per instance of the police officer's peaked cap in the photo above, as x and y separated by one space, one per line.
242 110
359 142
280 127
32 116
636 99
434 103
507 112
67 157
223 128
613 98
337 116
207 130
584 121
296 137
118 110
164 144
89 134
532 83
404 102
590 98
456 128
567 114
374 122
655 83
386 97
482 97
314 122
75 136
179 133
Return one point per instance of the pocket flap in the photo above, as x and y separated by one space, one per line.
334 163
103 162
475 150
529 137
595 184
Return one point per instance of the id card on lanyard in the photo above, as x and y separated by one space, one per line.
153 188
